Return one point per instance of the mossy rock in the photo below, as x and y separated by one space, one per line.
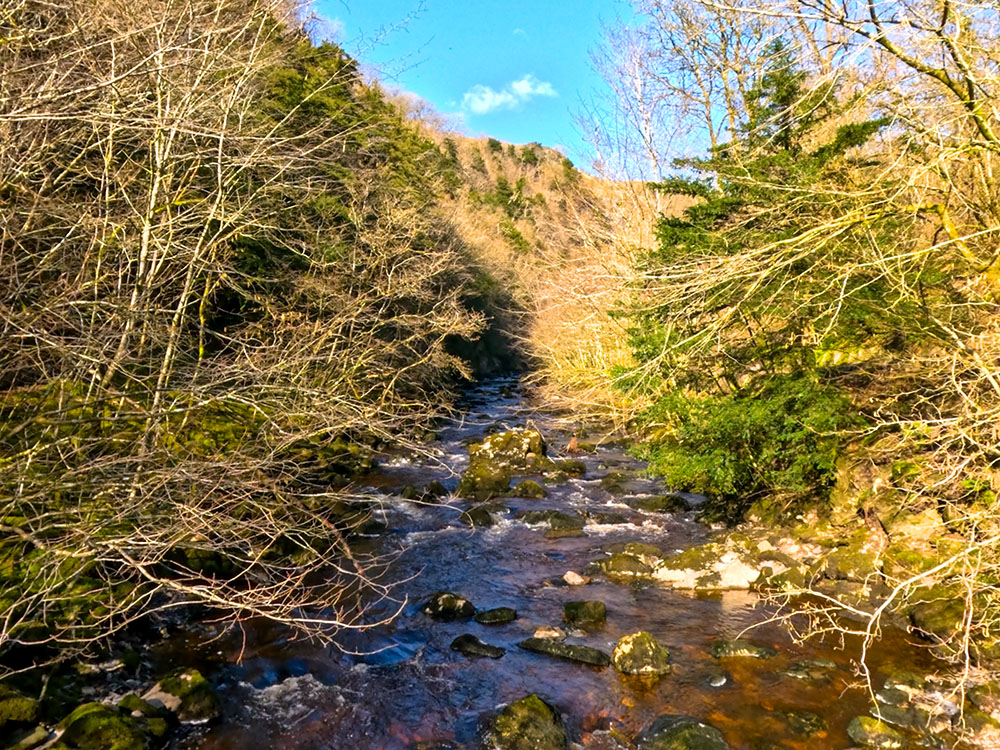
187 695
817 670
615 482
483 481
676 732
985 697
94 726
527 724
554 518
585 613
446 606
873 733
16 708
938 613
496 616
607 519
567 651
659 504
640 654
625 566
852 564
528 490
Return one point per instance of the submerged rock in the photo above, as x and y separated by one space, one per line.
496 616
804 723
640 653
811 669
728 649
447 606
585 613
527 724
564 533
676 732
187 695
873 733
561 650
471 646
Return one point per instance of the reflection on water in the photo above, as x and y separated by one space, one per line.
400 684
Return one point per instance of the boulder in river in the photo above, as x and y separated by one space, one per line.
585 613
471 646
496 616
557 648
527 724
873 733
447 606
670 503
187 695
676 732
640 653
739 647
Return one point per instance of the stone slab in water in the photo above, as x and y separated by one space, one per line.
553 647
496 616
469 645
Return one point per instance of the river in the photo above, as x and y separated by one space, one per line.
401 684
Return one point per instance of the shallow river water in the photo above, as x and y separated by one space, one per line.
400 685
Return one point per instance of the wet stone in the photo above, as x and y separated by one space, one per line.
585 613
471 646
718 680
741 648
447 606
561 650
547 631
496 616
527 724
606 519
575 579
676 732
639 653
873 733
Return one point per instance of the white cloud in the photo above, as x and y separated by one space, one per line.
520 32
481 100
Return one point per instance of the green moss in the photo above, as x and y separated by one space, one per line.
529 489
198 702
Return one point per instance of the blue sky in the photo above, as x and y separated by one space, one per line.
515 69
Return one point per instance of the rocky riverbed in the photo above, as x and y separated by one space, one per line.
552 596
